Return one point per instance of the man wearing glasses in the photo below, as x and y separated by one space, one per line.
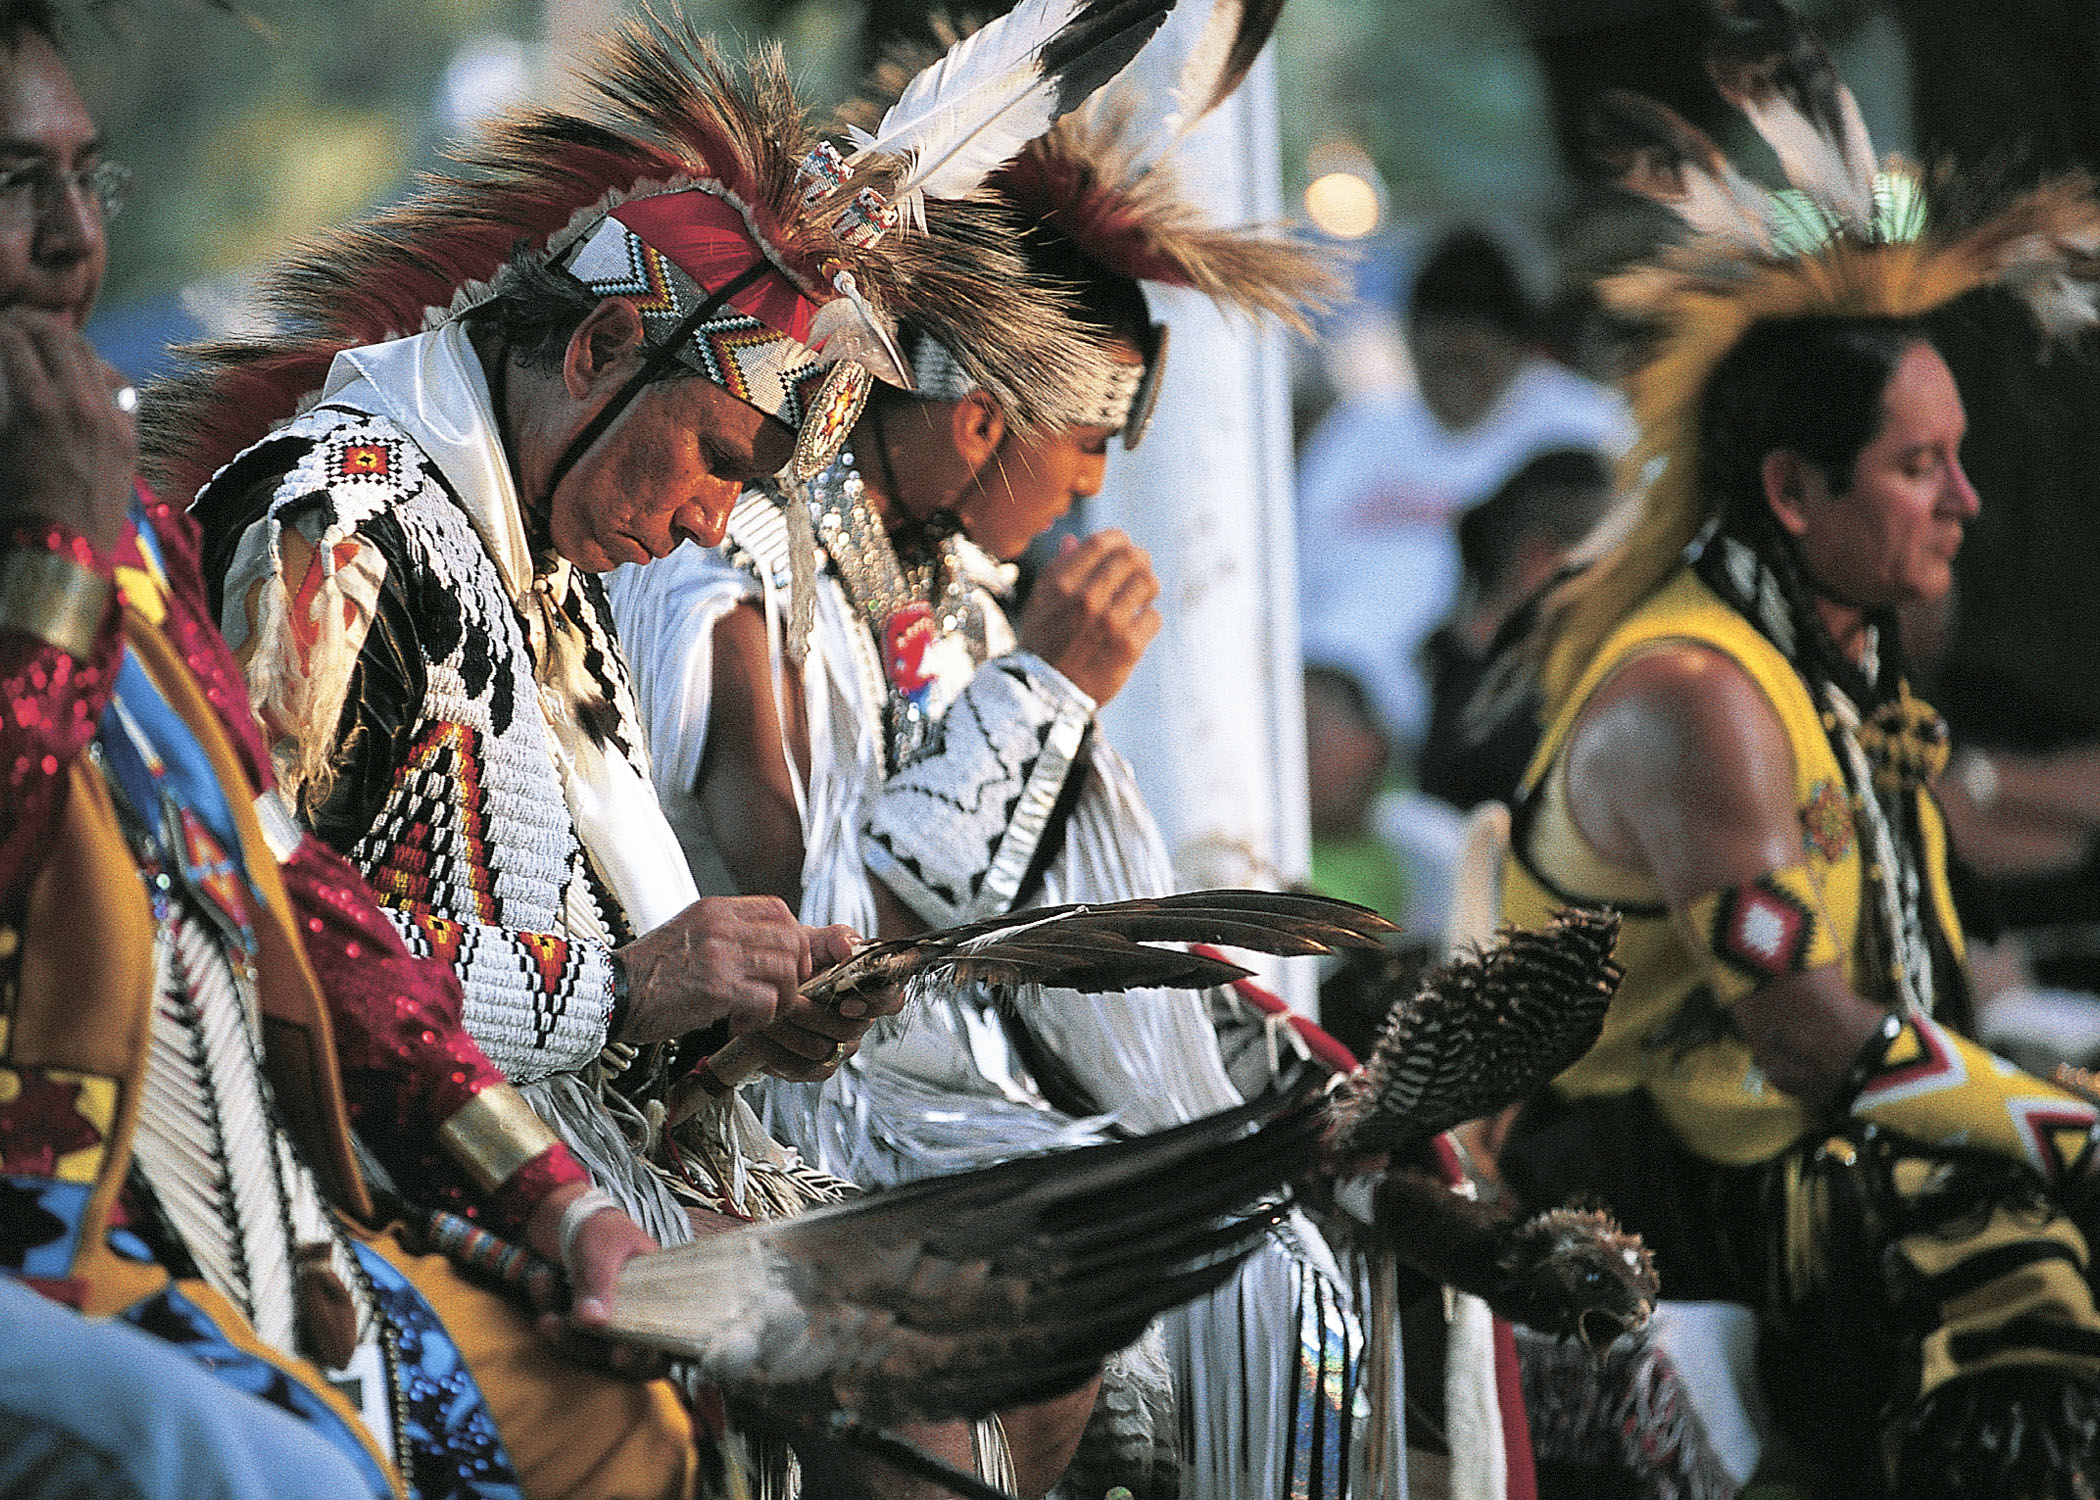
197 1001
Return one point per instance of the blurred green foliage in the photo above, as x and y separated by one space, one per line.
251 127
253 122
246 129
1445 96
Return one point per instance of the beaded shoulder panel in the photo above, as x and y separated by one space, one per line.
475 827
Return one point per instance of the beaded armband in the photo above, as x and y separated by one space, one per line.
1917 1079
1763 930
53 597
494 1134
956 833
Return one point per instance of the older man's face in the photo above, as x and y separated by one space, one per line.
669 469
53 249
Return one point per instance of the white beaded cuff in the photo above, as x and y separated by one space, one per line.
955 833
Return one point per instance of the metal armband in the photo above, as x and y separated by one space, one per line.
494 1134
54 598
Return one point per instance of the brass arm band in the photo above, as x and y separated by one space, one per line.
495 1133
52 597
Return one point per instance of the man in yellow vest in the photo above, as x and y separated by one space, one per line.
1784 1102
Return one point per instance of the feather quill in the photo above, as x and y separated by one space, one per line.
1775 70
996 90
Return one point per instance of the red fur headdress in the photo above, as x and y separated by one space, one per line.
663 113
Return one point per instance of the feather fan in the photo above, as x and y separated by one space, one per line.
958 1296
1103 947
1485 1029
1093 948
1568 1272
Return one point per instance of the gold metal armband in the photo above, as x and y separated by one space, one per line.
493 1134
52 597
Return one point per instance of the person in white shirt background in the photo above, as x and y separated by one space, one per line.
1386 475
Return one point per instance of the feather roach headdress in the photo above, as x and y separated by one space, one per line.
758 256
1850 237
1101 201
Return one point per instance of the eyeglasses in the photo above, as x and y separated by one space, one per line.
28 194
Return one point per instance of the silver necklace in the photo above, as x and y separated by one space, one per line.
909 602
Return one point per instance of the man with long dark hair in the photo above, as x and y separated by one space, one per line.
1785 1102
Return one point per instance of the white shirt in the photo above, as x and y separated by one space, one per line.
1380 489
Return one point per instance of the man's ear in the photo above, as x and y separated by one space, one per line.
976 426
1791 483
601 343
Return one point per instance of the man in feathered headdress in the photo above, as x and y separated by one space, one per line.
1785 1103
407 570
843 714
200 1000
633 310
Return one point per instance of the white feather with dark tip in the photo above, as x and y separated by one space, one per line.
1001 87
1653 151
1776 71
1217 45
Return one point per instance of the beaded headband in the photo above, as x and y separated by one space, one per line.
676 254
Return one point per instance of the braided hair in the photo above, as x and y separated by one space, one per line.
1814 387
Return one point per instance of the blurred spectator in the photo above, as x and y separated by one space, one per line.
1346 755
1509 546
1386 475
1383 846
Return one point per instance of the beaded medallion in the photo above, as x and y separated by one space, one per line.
928 623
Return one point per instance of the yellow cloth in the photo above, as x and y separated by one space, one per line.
1666 1031
571 1434
1945 1090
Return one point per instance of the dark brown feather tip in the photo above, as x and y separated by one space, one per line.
1761 49
1647 146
